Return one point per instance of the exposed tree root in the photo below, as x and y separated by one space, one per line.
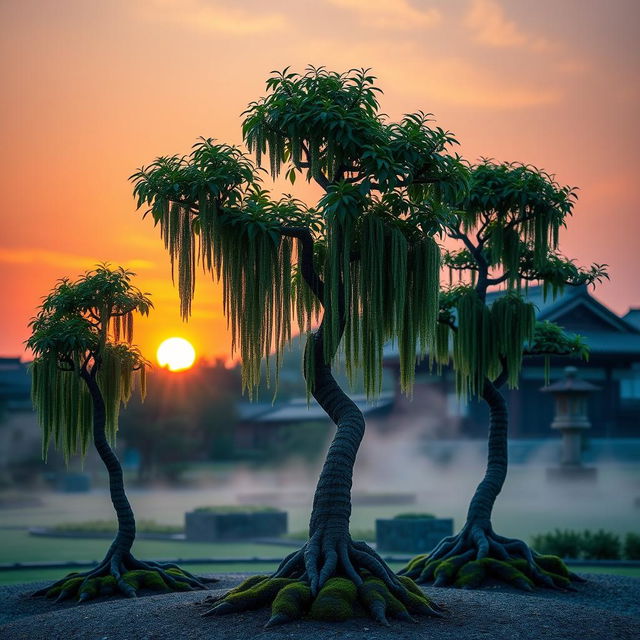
121 573
329 582
477 554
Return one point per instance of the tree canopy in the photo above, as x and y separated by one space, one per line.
365 254
85 328
508 224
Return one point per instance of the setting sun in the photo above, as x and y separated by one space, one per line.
176 354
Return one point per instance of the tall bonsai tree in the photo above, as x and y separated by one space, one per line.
84 368
508 226
362 266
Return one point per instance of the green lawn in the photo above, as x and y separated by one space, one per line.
19 546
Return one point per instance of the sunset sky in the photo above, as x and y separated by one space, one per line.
92 90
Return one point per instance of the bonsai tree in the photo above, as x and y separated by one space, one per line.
360 268
508 225
84 368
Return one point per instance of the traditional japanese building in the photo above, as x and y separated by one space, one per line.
613 365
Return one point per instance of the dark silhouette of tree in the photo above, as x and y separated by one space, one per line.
84 368
508 226
362 263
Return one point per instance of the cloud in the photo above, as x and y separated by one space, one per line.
398 14
213 16
487 19
59 259
457 81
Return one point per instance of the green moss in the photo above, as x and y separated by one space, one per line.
54 592
258 595
471 575
411 586
154 581
248 583
182 586
426 575
507 572
107 585
176 573
89 589
553 564
133 578
292 601
335 601
415 563
446 570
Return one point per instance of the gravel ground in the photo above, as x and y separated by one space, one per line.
604 608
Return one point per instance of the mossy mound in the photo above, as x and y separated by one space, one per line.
339 599
467 571
126 577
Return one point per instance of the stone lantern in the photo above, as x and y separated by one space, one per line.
571 418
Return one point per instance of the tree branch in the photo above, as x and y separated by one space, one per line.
309 273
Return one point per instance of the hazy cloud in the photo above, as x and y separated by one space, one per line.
391 15
487 20
458 81
213 16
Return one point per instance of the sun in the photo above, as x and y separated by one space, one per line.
176 354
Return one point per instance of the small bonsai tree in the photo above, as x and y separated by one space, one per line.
359 269
84 368
508 226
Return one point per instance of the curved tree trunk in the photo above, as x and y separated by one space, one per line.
487 491
126 521
332 500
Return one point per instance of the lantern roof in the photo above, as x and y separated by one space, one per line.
571 383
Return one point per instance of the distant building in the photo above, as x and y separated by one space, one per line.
614 365
19 431
262 425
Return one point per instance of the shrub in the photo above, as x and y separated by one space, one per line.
601 545
566 544
587 545
632 546
239 508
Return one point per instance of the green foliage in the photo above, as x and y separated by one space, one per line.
414 516
600 545
550 339
519 205
84 329
486 338
240 508
508 224
566 544
586 545
632 546
371 235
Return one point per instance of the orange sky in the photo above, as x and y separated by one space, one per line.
92 90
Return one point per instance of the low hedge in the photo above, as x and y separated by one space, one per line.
588 545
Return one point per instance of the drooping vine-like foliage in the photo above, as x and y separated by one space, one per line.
508 225
85 327
507 229
375 260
